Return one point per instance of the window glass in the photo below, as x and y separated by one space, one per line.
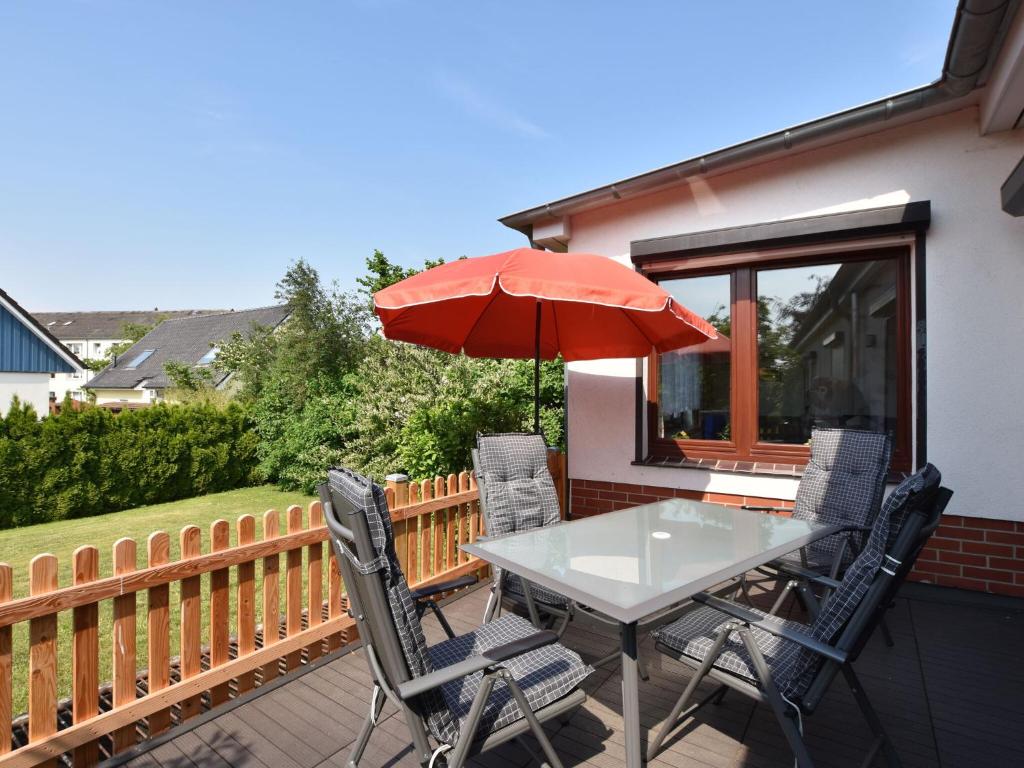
827 349
140 358
209 356
693 382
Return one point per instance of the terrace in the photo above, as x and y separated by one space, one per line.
218 694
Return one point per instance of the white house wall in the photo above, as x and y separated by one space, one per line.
974 287
33 388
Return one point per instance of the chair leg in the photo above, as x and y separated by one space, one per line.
786 589
457 757
376 705
493 601
674 716
786 714
874 722
531 718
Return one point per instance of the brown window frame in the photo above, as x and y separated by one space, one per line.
744 381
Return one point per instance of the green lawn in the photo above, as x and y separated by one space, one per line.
20 545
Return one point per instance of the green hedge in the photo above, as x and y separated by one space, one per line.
89 462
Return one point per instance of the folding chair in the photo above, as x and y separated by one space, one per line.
789 665
843 484
469 693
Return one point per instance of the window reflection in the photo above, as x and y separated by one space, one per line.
827 349
693 382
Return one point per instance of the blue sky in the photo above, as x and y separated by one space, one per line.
182 154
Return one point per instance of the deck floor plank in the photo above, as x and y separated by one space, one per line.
949 692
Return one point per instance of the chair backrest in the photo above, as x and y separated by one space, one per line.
850 614
359 521
844 480
517 492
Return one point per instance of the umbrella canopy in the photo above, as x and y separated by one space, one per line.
584 307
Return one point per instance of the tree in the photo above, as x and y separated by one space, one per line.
381 273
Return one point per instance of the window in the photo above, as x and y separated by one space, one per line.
806 339
76 349
140 358
209 357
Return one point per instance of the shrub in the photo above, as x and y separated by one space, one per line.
87 462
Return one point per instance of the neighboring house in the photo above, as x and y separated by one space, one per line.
90 335
869 268
29 356
138 375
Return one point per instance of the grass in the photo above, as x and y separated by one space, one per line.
18 546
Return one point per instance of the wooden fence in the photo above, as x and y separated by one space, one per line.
149 695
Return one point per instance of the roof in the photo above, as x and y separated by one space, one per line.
979 29
182 340
27 347
106 325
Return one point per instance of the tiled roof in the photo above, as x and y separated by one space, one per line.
105 325
183 340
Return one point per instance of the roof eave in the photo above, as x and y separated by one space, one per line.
978 31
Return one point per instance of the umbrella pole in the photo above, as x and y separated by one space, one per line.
536 373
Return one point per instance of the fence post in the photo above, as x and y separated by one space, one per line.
220 611
6 581
191 620
158 628
293 587
42 683
246 600
315 578
271 593
85 654
124 662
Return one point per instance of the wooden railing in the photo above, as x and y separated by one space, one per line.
149 695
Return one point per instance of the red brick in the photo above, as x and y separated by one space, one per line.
1014 590
961 583
951 520
586 493
1006 564
960 534
613 495
990 525
624 487
929 554
723 498
682 493
639 498
981 548
948 544
959 557
928 566
761 501
988 574
1000 537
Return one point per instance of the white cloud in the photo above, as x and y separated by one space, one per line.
486 108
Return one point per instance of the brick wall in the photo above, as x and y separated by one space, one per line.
965 552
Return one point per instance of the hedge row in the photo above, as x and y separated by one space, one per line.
89 462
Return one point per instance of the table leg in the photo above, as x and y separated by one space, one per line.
630 694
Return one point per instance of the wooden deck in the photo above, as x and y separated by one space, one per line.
951 693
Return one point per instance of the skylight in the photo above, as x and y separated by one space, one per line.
140 358
208 358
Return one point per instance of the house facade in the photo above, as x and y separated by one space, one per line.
865 270
90 336
138 377
29 357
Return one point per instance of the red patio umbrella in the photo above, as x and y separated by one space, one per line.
527 303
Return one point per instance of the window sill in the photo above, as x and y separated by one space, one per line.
743 467
723 465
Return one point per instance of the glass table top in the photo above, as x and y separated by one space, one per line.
635 562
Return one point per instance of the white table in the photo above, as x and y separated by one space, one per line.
635 562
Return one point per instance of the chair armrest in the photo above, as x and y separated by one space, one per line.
756 620
755 508
460 669
809 575
445 586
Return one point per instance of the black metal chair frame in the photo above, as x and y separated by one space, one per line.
368 605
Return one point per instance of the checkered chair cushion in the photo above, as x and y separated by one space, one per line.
842 484
792 666
363 494
545 675
519 495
